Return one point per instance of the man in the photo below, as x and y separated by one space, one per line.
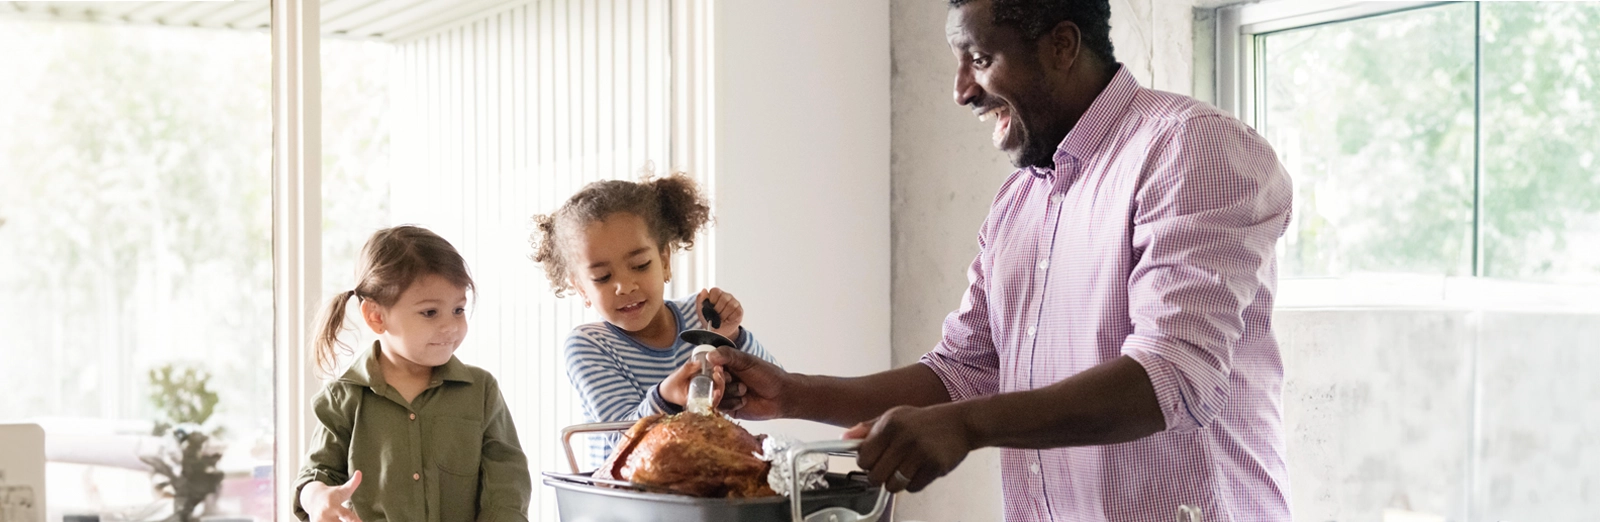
1115 337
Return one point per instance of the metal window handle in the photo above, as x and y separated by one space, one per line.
832 514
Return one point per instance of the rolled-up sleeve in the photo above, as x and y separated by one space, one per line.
965 359
1206 222
328 461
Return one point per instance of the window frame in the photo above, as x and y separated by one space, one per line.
1236 31
296 232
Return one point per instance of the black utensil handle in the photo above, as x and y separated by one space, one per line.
708 309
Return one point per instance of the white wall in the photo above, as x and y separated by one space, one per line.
946 173
802 180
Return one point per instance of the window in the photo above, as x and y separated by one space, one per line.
1435 307
1452 140
136 240
151 206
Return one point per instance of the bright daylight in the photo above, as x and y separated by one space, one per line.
825 261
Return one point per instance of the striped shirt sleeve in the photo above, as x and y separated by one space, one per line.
1207 222
609 393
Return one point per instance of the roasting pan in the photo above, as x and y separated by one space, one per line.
582 498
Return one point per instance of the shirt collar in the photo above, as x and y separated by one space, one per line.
364 370
1106 109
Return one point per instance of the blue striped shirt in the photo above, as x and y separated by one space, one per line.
618 376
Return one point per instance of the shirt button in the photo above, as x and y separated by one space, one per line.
413 416
418 476
1032 330
1056 198
1044 263
1033 467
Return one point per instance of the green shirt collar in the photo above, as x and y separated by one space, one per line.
364 370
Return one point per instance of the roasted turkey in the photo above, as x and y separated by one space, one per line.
693 454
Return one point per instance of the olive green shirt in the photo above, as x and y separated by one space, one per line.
450 455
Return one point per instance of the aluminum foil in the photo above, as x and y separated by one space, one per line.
813 466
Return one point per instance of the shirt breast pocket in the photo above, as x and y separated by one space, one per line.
457 444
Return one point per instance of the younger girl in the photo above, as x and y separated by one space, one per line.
432 434
612 244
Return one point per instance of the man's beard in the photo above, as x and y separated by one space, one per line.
1036 152
1038 145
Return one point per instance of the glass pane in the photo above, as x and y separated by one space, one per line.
136 240
1541 124
1373 119
355 152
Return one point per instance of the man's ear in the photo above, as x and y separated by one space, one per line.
1063 45
373 314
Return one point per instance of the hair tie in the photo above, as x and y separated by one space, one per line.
350 294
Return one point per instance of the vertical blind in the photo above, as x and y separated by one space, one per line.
505 117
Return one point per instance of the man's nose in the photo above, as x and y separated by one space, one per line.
967 91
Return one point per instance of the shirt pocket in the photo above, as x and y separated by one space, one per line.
457 446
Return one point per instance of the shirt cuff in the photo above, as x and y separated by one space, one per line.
307 477
952 386
1190 392
660 404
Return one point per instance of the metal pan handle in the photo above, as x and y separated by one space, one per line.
832 514
569 431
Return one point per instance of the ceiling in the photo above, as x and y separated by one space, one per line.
384 20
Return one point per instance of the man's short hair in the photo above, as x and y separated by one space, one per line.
1036 17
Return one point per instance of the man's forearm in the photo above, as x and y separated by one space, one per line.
844 401
1110 403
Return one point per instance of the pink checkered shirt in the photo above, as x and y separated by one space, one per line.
1153 237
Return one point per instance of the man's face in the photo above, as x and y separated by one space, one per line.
999 74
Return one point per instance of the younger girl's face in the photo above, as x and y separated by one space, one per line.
427 323
621 271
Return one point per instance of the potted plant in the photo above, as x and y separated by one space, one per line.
187 470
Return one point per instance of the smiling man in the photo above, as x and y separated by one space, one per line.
1115 338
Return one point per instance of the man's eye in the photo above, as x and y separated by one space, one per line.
981 61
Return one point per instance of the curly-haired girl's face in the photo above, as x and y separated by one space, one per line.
621 272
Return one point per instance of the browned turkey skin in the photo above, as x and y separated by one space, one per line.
699 455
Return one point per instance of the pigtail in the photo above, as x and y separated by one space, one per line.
683 209
546 253
327 346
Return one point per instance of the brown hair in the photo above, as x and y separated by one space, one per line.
390 261
671 206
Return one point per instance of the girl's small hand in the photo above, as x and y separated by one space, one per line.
326 503
675 388
726 306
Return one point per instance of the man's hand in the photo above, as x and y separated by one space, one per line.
907 448
758 392
324 503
